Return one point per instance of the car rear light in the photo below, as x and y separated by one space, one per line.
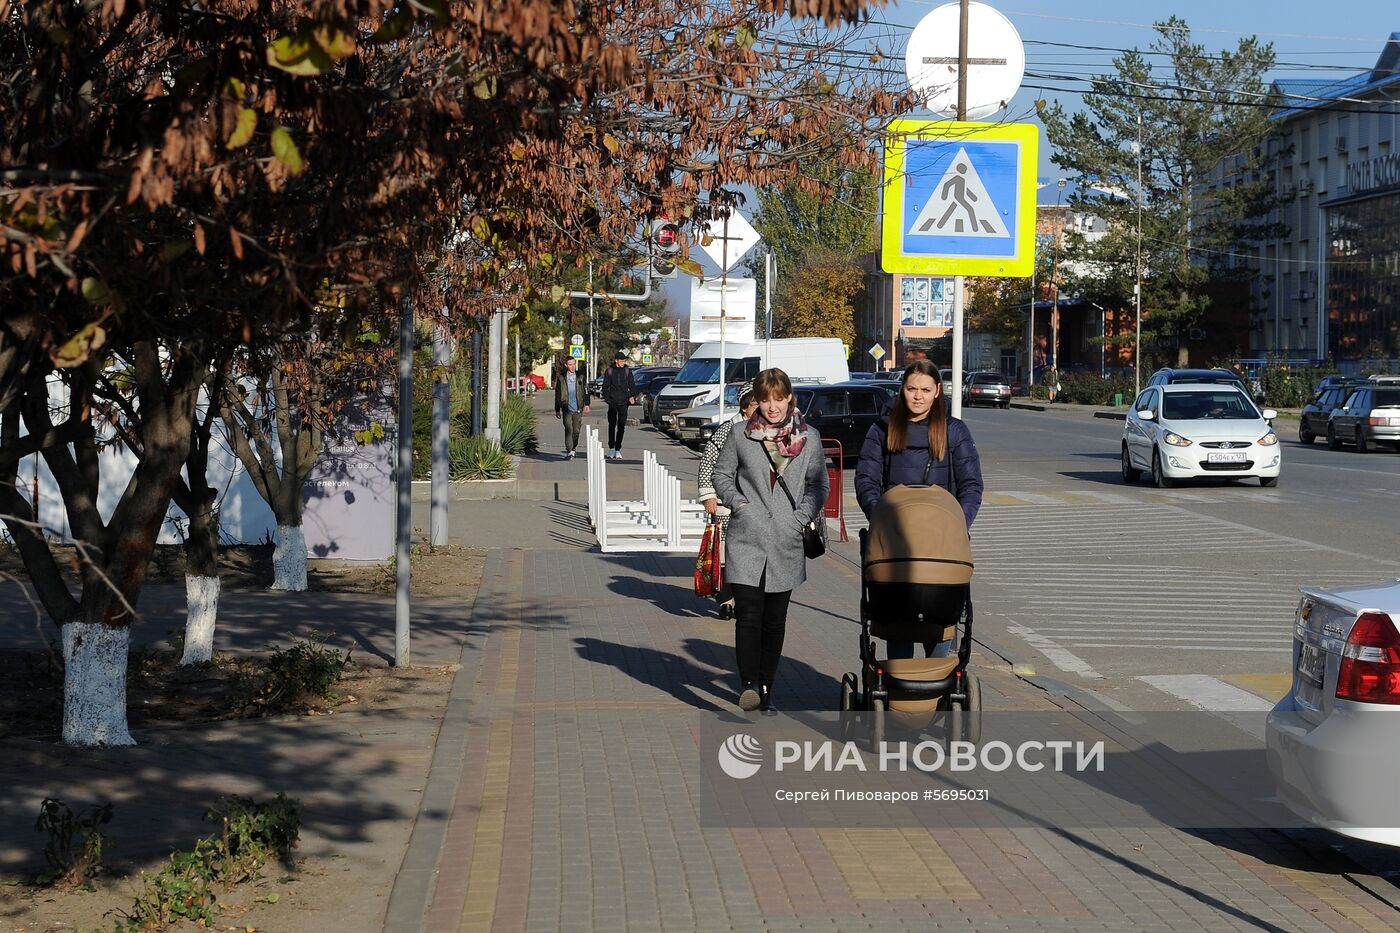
1370 671
1377 422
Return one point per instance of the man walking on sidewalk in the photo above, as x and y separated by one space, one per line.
619 391
571 403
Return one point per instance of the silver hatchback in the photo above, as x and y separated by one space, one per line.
1334 740
1369 417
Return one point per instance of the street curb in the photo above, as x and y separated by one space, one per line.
1112 415
413 883
1026 406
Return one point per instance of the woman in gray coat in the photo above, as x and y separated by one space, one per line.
764 560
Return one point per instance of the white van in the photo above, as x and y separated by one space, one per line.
804 359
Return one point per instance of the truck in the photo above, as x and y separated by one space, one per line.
810 360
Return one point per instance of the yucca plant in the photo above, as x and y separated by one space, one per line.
478 458
519 425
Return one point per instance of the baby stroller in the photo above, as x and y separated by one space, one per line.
916 575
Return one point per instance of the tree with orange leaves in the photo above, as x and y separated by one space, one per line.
179 182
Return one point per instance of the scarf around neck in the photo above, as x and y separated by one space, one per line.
784 441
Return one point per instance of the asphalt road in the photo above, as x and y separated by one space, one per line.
1157 599
1162 599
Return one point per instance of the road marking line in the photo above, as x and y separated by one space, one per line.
1208 693
1062 658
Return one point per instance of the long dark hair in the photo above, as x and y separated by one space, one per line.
937 413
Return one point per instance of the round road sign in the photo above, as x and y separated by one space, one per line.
996 60
576 340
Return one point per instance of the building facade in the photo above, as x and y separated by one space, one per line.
1329 291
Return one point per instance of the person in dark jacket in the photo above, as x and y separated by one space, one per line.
619 391
917 443
571 403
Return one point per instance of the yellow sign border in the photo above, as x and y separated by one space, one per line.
892 257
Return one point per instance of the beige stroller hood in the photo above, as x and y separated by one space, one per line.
918 534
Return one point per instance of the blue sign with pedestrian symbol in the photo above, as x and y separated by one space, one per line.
578 353
959 198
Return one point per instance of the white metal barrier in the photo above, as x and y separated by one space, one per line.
659 521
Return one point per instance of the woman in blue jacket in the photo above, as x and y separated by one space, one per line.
917 443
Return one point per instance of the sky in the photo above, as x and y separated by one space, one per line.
1311 39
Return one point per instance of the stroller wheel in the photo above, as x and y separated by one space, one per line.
877 732
847 707
967 724
726 610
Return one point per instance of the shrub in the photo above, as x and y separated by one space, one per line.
1040 392
1091 389
292 676
76 841
1290 386
253 832
519 425
478 458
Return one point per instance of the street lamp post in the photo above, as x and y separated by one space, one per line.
1055 283
1137 284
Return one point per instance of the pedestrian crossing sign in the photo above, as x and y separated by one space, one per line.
578 353
959 198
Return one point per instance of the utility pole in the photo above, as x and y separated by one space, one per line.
1137 285
442 358
1030 327
958 312
769 264
493 375
592 350
1055 282
476 379
723 306
403 481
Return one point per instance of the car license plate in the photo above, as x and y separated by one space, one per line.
1226 458
1312 661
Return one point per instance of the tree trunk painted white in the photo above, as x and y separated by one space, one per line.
201 611
94 686
289 559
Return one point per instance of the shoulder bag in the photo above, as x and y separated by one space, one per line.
813 532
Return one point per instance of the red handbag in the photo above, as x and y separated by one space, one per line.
709 566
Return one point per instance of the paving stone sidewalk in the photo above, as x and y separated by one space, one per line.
566 790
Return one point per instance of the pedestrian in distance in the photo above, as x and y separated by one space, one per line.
718 510
917 443
619 391
571 403
771 474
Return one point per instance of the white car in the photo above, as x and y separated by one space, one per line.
1334 741
1192 431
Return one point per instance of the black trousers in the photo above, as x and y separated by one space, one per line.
760 623
617 423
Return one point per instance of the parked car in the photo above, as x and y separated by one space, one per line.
844 412
993 388
947 376
647 397
1169 376
528 383
1190 431
1369 416
693 426
1331 393
1331 741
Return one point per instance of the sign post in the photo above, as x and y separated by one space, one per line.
744 237
958 224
